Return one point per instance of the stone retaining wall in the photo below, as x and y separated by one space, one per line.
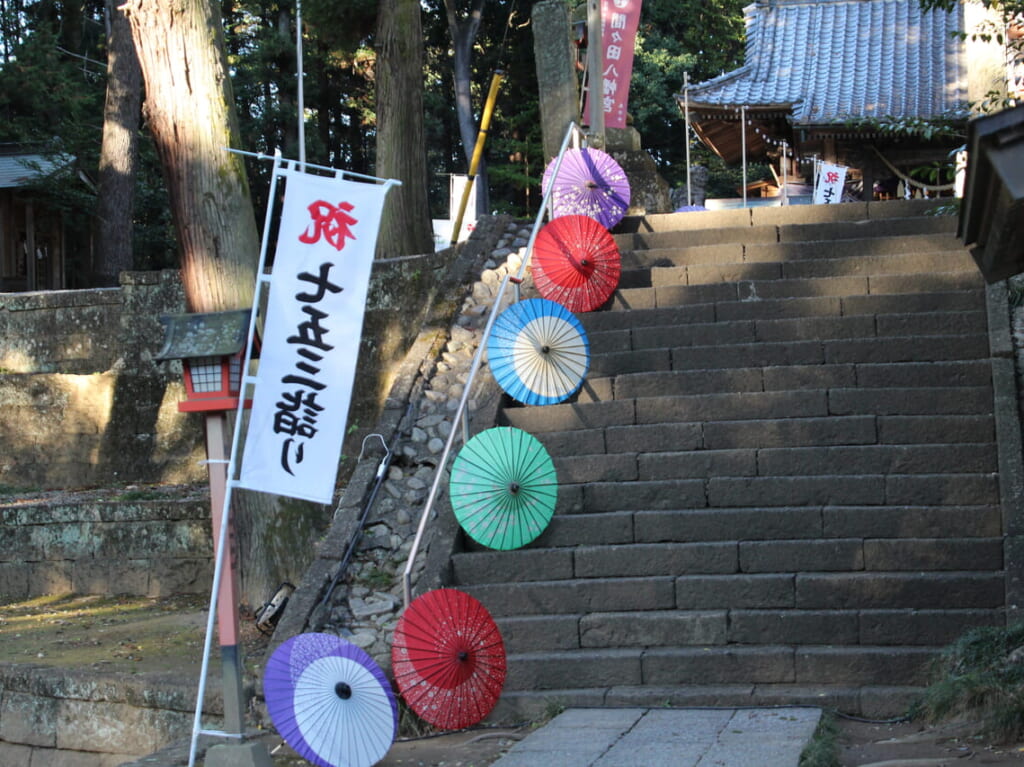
82 403
149 548
78 718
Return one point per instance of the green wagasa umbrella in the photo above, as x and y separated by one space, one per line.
503 488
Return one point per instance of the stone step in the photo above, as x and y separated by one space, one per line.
974 372
750 405
862 590
971 299
923 348
844 222
767 664
709 628
679 250
755 290
862 429
757 523
823 490
721 557
819 328
661 274
893 228
923 211
787 461
969 458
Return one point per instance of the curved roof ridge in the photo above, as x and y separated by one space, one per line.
840 59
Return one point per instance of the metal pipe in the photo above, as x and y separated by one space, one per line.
457 417
301 105
225 520
686 130
743 139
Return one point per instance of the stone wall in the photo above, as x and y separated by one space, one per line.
79 718
119 545
83 404
81 401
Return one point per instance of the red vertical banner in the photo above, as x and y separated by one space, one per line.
619 22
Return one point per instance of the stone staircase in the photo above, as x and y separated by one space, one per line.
779 482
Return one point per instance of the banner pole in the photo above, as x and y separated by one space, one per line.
225 511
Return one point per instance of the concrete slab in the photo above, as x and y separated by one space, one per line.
669 737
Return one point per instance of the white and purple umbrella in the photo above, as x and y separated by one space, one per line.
589 183
330 701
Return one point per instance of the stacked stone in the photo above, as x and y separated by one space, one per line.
369 614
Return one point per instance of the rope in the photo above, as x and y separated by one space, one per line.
908 180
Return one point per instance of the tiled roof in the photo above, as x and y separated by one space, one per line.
18 169
830 60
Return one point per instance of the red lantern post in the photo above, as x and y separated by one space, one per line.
212 350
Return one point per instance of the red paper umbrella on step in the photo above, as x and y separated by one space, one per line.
448 659
576 263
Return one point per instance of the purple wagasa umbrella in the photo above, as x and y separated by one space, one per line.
589 183
330 701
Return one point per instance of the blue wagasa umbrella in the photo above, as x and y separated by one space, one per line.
538 352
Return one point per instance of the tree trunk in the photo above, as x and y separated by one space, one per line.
401 149
116 184
463 38
191 115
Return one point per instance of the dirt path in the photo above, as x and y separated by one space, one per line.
911 744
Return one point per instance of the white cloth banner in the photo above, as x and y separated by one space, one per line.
314 320
829 186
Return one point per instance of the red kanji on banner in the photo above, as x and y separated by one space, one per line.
331 222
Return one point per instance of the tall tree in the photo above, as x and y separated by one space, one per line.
191 113
401 149
115 199
464 31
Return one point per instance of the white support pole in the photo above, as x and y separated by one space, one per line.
785 170
743 140
686 128
301 102
221 559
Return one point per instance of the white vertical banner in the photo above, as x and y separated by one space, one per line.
314 320
828 187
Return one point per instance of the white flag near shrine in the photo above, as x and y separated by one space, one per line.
322 262
828 187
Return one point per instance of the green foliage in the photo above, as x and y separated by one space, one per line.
676 38
1015 290
981 679
942 128
823 750
52 87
